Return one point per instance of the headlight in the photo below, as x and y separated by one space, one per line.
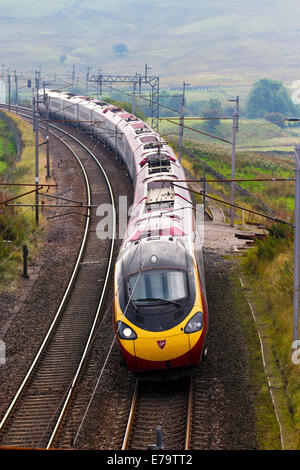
195 323
125 332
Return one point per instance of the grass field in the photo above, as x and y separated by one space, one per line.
268 270
254 134
277 196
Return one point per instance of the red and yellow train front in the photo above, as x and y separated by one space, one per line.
157 331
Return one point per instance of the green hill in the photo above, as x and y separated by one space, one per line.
222 42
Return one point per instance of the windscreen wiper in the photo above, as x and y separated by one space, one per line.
135 306
165 301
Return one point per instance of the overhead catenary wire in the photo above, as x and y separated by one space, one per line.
201 180
200 132
115 334
202 193
112 343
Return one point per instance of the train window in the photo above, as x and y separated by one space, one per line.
157 191
115 110
159 205
143 130
148 139
152 286
100 103
129 117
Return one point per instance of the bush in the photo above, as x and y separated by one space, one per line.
276 118
266 250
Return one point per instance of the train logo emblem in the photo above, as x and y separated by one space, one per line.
161 343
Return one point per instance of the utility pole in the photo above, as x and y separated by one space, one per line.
16 82
204 189
9 89
87 82
47 137
237 101
33 111
181 120
234 129
99 85
37 87
296 245
296 241
133 97
146 71
36 127
73 77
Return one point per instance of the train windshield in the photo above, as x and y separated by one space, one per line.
157 285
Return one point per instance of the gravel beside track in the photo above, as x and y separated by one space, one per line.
223 413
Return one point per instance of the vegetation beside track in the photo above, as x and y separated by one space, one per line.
267 274
275 198
18 225
8 148
267 428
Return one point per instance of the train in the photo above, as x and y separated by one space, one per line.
160 311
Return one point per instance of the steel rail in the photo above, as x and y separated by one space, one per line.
130 418
189 417
132 411
68 289
99 303
74 381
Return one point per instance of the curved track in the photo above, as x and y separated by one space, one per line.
35 414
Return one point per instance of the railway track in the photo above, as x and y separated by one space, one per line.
178 414
37 410
165 406
218 405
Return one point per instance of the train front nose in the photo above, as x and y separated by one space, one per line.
178 347
162 352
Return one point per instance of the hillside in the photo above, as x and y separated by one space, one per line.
224 42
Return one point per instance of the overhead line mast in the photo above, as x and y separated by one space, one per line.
137 80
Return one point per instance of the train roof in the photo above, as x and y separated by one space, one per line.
155 253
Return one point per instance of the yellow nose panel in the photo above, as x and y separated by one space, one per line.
162 349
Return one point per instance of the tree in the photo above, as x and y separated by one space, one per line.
62 58
120 49
269 96
213 110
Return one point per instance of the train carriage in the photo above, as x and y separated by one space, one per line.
160 309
